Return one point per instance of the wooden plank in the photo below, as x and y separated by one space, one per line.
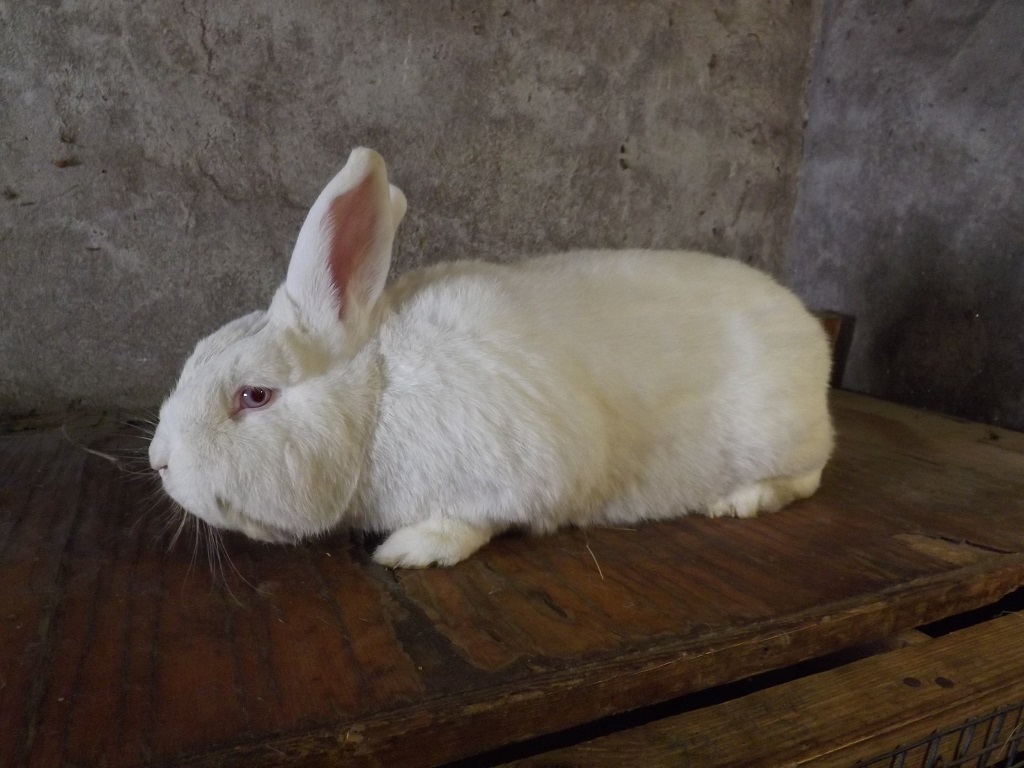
430 733
839 329
316 653
37 523
834 718
943 477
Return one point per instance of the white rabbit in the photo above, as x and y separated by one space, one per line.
468 398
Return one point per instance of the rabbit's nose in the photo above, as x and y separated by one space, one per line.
158 458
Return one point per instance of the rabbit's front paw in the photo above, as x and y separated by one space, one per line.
441 541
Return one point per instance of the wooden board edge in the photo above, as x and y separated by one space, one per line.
436 732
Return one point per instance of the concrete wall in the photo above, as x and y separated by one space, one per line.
910 213
157 158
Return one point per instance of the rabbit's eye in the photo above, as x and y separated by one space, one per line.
254 397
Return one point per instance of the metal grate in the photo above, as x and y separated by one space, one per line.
995 740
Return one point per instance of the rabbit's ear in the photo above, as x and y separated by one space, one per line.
343 251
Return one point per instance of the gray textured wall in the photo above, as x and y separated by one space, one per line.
910 214
157 158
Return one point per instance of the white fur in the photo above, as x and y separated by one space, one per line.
467 398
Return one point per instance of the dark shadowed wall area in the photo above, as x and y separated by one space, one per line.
910 212
157 159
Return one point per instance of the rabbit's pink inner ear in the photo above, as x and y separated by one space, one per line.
353 225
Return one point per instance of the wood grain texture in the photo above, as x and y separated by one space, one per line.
825 719
117 651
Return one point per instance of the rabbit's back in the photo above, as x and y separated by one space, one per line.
622 384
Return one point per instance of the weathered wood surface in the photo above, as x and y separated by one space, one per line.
115 650
836 718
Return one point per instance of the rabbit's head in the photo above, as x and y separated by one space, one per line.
266 429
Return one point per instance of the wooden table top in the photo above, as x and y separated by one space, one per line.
117 651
